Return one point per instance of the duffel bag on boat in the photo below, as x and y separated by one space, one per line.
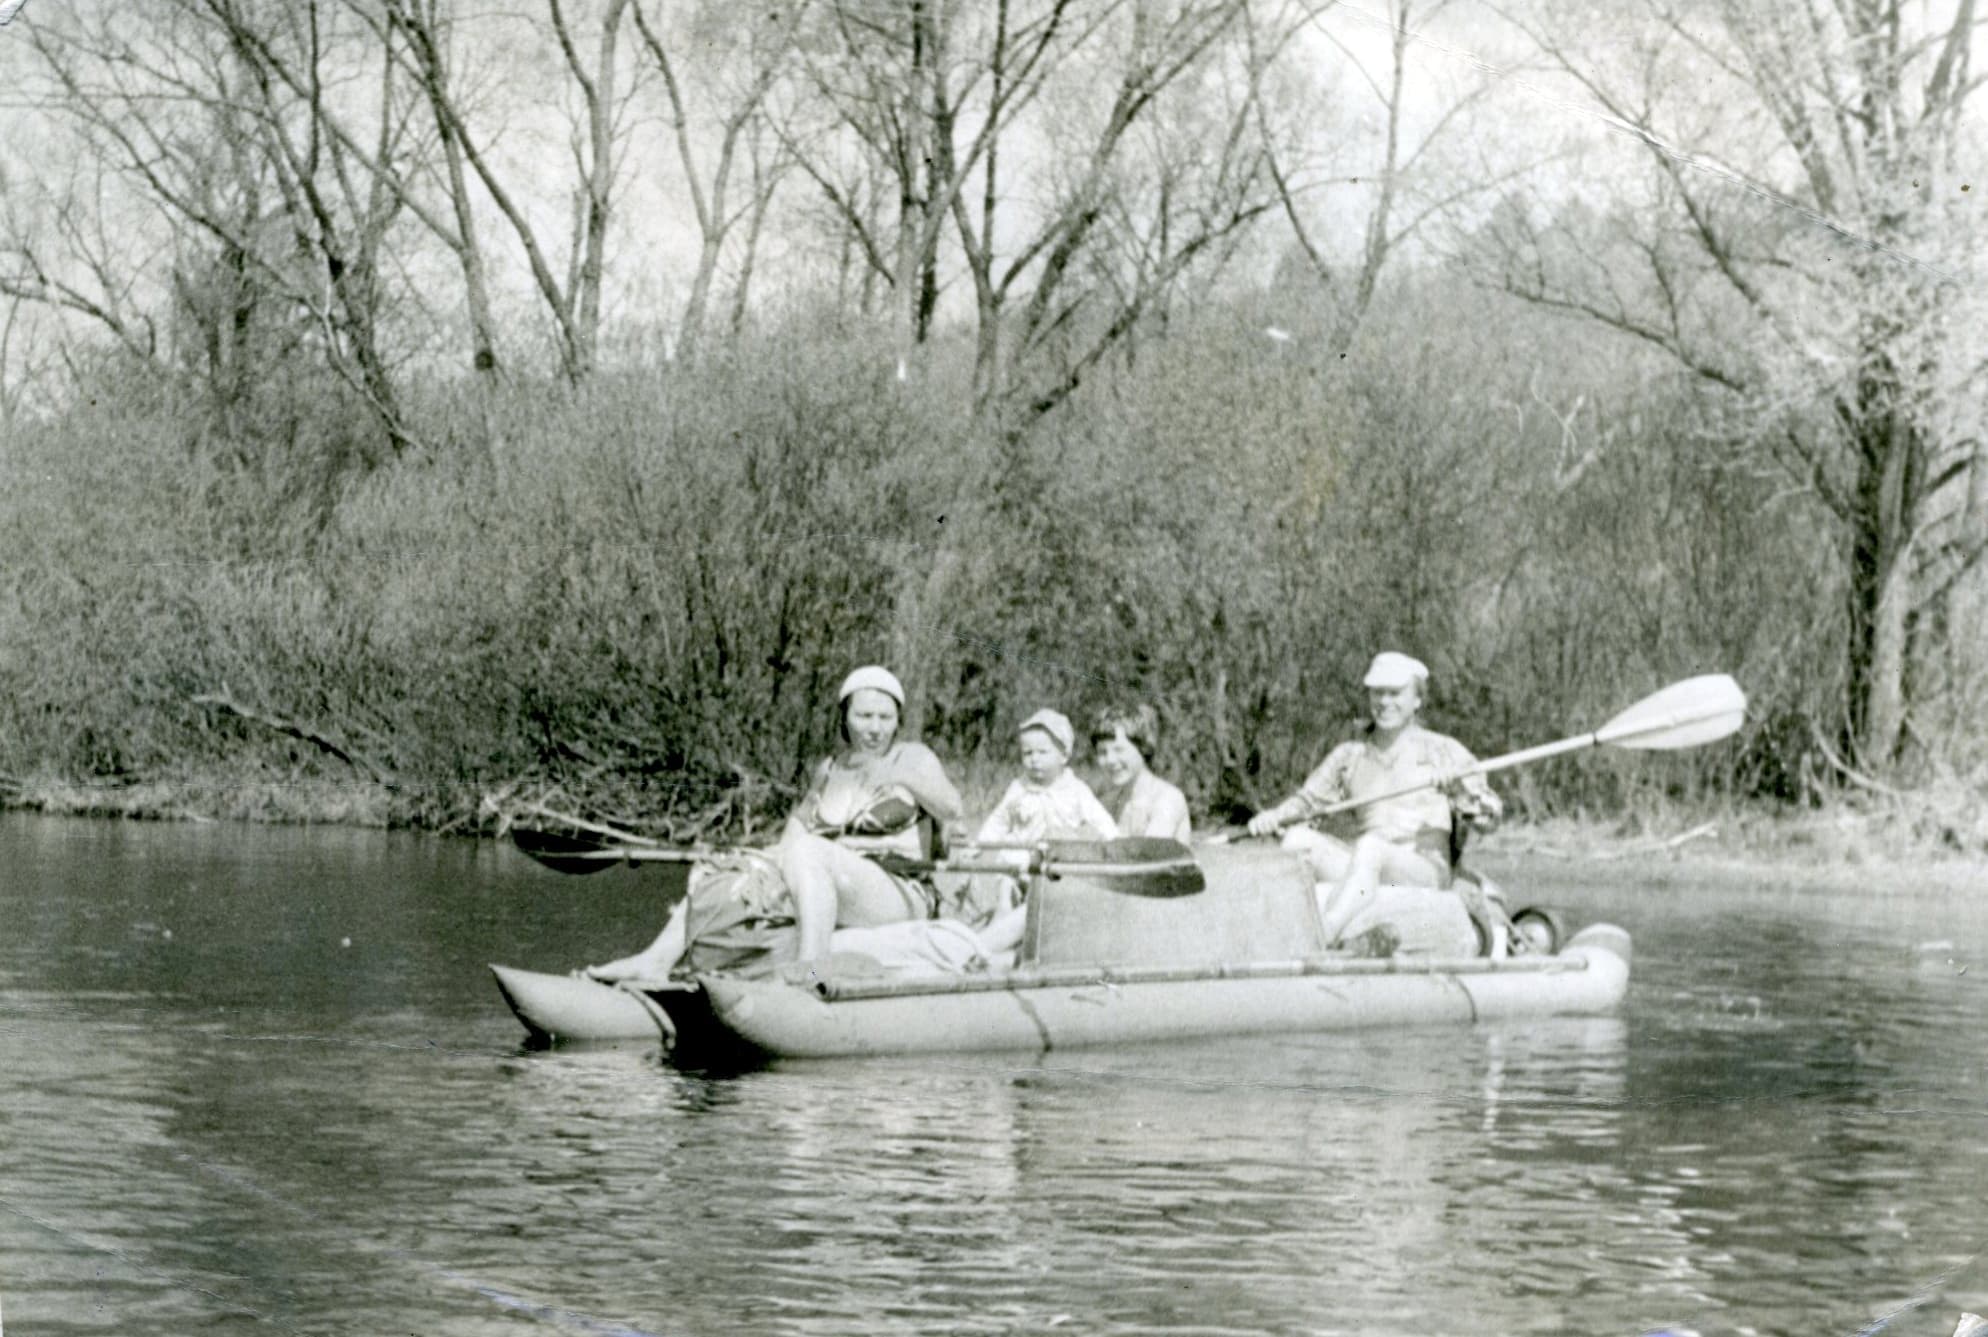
739 916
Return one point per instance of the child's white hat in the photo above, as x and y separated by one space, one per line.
1056 724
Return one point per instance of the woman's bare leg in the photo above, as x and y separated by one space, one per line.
834 886
653 962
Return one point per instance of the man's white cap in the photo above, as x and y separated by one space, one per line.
1390 670
1056 724
875 677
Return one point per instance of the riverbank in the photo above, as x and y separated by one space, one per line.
205 797
1841 839
1942 828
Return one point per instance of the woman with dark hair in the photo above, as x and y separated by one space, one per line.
1141 803
785 903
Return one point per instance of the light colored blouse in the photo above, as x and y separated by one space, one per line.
872 803
1063 809
1149 806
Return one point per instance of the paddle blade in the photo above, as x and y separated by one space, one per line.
1130 865
568 854
1684 714
1161 882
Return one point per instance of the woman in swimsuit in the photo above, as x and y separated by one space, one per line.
868 799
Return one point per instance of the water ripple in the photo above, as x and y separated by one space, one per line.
248 1128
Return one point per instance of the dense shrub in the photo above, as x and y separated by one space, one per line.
638 596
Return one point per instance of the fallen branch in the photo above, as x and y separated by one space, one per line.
1703 831
223 700
1849 772
507 817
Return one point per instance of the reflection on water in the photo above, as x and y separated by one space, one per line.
222 1117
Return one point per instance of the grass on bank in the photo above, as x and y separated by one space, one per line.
1946 828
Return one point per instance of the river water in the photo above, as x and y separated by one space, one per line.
258 1080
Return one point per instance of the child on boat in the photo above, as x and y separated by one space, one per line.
1047 801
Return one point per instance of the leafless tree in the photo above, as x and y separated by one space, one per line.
1168 178
736 64
93 276
1806 251
934 96
769 164
574 301
188 111
1406 184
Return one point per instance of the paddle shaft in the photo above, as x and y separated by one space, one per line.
1510 759
1015 866
613 854
1136 866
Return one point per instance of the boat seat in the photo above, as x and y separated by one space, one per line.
1258 907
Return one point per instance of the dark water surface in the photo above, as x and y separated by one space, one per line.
258 1080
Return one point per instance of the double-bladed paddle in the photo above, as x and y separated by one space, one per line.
1684 714
1133 865
592 854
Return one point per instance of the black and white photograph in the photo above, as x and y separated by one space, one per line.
815 667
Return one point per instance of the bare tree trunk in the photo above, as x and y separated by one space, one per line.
428 37
690 334
710 201
909 268
977 239
468 249
1880 588
1884 677
1380 220
583 295
765 181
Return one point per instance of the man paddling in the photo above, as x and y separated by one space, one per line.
1406 840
